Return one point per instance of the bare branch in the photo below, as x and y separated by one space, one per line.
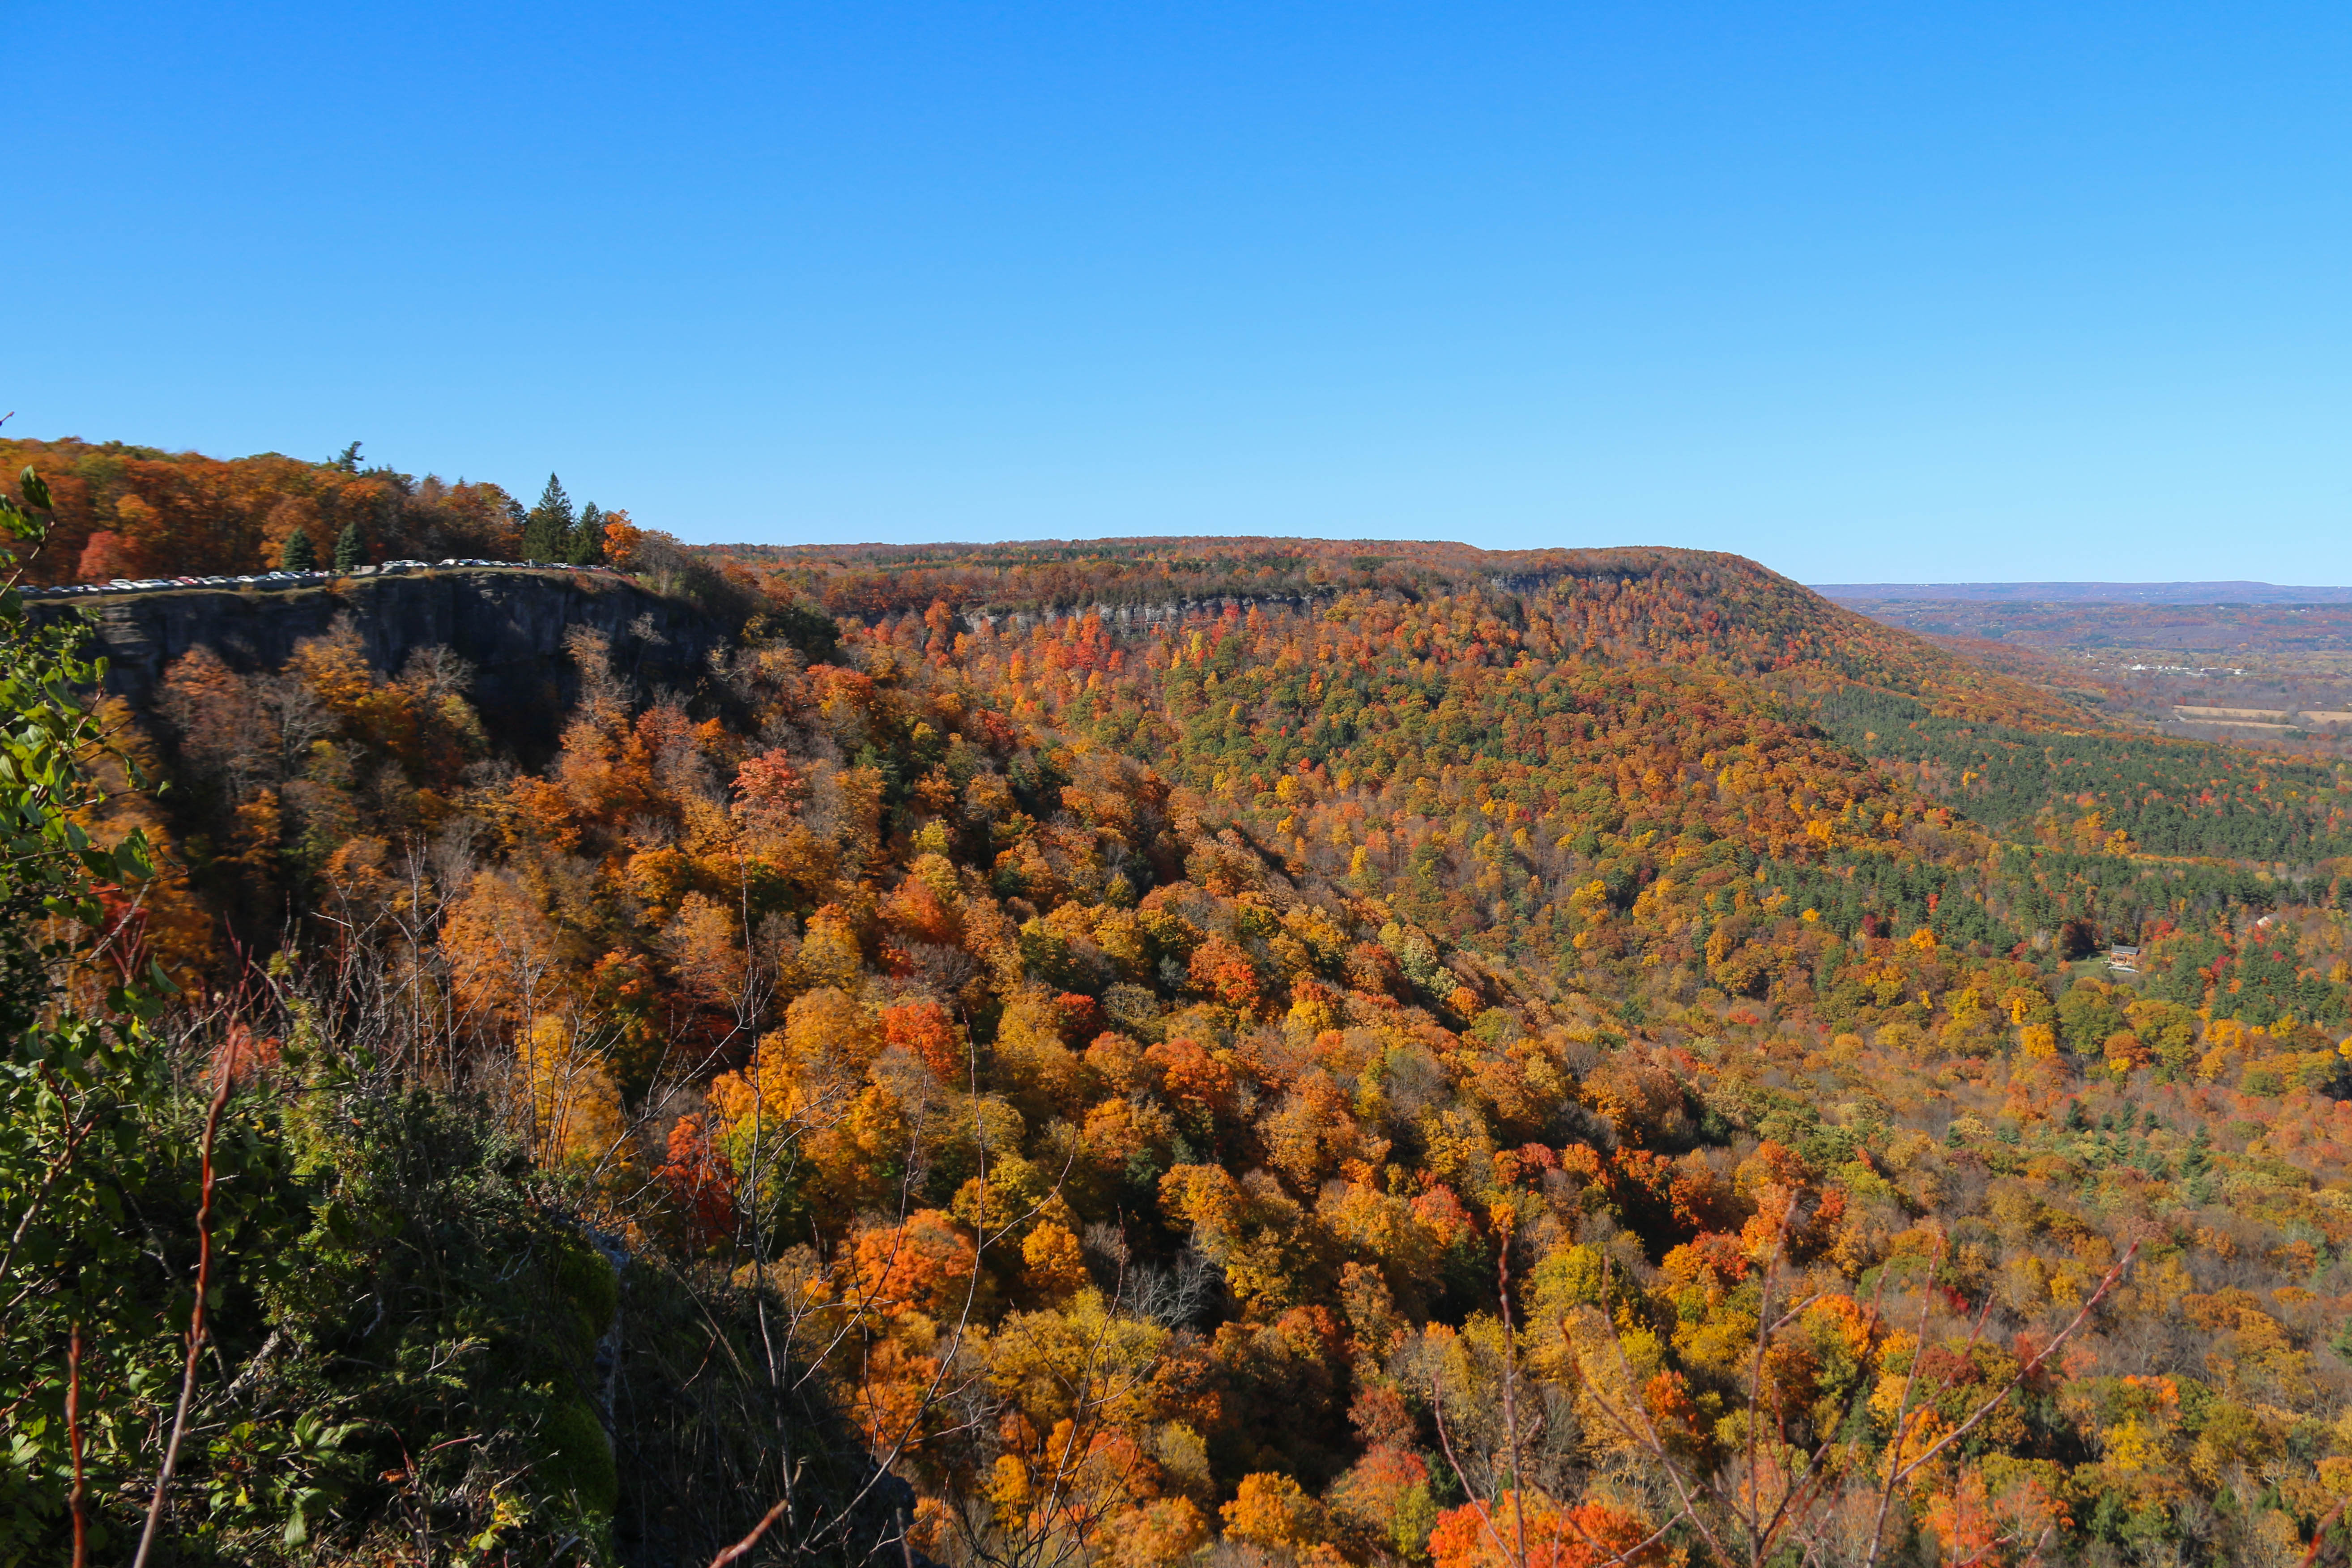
195 1316
73 1435
2026 1371
742 1548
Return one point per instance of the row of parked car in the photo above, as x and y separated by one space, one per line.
290 579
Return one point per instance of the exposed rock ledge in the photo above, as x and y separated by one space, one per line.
509 625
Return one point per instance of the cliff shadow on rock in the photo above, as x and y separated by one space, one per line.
511 627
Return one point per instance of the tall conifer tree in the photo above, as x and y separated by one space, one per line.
547 532
588 538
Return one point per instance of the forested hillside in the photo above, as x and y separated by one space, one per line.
118 511
1246 1051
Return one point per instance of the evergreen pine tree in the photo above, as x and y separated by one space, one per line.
547 532
588 537
299 554
347 546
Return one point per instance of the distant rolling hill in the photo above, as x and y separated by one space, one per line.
2091 593
2092 627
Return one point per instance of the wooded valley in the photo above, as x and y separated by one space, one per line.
1145 1051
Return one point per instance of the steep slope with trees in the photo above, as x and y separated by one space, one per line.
1375 1055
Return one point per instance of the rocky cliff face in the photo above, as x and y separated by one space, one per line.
509 625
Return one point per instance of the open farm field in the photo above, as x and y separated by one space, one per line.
2274 675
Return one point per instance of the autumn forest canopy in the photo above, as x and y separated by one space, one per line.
1221 1050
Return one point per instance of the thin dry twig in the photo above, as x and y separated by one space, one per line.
1518 1554
1815 1474
1518 1505
1754 1394
742 1548
196 1319
2030 1368
75 1131
1902 1416
2320 1533
1647 1435
73 1435
1511 1396
1795 1497
1485 1519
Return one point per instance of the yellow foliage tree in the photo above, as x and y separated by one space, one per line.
573 1112
1274 1510
1053 1265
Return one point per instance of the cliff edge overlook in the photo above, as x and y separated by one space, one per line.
510 625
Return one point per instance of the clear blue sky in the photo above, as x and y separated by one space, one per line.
1896 290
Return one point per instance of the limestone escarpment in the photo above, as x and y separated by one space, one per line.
509 625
